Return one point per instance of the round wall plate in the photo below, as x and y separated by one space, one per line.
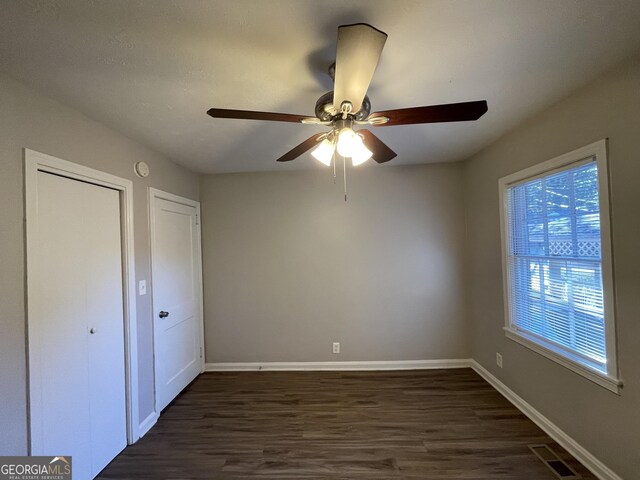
141 169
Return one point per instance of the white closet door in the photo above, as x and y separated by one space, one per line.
105 310
79 406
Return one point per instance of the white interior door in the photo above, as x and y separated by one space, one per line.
177 294
76 328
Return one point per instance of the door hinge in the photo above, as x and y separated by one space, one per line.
200 352
197 220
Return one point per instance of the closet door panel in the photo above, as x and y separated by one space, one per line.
79 402
106 321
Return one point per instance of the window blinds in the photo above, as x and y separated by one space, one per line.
554 261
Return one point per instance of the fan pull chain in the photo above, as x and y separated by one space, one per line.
344 168
333 160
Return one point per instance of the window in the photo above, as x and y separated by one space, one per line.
557 262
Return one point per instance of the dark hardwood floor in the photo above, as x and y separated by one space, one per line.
430 424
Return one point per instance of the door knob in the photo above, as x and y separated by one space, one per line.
163 314
92 330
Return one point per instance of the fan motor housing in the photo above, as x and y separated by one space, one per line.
325 111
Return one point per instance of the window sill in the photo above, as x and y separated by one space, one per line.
610 383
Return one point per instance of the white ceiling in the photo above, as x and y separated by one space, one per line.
151 69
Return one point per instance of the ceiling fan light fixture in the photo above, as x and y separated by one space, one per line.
361 155
324 152
348 142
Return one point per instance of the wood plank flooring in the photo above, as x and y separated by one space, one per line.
430 424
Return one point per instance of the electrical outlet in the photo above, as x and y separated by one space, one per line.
336 347
498 359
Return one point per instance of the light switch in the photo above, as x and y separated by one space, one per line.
142 287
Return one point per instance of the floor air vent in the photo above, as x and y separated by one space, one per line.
555 463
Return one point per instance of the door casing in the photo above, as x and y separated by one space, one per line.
33 163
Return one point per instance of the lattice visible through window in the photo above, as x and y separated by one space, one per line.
589 248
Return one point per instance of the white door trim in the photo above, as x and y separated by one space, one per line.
33 163
153 194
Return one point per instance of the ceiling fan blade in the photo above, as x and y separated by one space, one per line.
450 112
250 115
358 52
308 144
381 152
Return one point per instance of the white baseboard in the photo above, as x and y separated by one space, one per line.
147 423
596 467
338 366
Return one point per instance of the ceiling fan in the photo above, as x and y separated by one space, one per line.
347 106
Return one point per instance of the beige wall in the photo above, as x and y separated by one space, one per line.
289 267
28 119
606 424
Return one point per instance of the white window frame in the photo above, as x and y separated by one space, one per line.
598 150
